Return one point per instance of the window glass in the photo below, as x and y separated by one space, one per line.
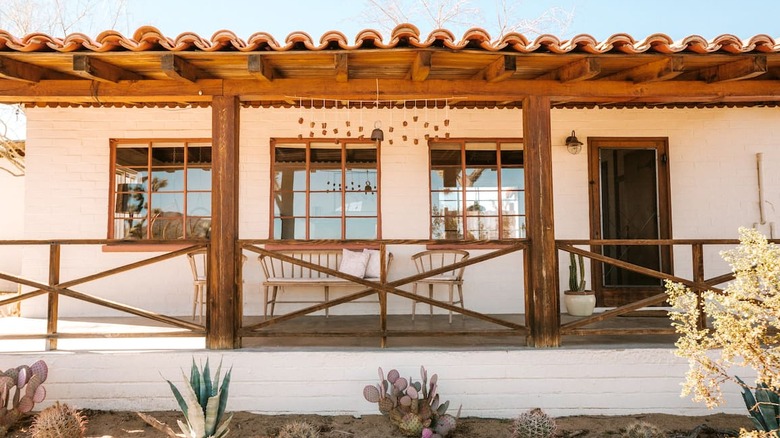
325 189
477 189
162 190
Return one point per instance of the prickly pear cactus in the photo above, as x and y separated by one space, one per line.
534 424
59 421
413 407
20 389
642 429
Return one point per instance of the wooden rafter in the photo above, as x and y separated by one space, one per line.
580 70
421 67
342 67
661 70
260 67
96 69
741 69
176 67
501 69
22 71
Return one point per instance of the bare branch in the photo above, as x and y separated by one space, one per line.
457 15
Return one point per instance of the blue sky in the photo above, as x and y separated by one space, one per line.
600 18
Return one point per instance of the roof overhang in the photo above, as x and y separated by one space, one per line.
150 69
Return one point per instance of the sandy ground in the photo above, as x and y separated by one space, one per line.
110 424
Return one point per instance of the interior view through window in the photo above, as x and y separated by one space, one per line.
325 189
477 189
162 189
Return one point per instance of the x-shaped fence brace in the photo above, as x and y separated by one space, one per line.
382 288
64 288
570 328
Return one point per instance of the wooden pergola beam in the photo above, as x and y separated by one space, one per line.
24 72
661 70
176 67
744 68
260 67
96 69
151 91
421 67
501 69
342 67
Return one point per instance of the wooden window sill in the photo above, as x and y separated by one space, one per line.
472 245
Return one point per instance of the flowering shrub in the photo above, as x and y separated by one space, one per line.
745 324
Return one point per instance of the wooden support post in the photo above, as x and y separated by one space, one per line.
54 297
383 294
542 303
697 256
223 309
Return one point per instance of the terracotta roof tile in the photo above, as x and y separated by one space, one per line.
404 35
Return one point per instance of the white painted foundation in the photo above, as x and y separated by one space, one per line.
496 383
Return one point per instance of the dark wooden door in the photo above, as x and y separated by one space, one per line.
629 199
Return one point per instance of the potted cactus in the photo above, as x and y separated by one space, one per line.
579 301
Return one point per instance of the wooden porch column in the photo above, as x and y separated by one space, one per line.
223 305
542 307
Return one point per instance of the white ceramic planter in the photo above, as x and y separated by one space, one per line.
579 303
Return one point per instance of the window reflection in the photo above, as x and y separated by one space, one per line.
477 189
325 190
162 190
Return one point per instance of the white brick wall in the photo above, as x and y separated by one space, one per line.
486 383
712 161
11 222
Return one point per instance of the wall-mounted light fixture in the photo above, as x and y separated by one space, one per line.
573 145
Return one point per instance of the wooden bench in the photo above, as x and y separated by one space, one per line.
280 274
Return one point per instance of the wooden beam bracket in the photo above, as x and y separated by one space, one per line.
95 69
260 67
501 69
421 67
176 67
342 67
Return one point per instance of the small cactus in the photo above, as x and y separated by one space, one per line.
642 429
59 421
20 389
413 407
534 424
298 429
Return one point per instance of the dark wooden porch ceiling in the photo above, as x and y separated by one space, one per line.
151 69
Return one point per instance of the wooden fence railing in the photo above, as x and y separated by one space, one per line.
697 283
55 288
382 289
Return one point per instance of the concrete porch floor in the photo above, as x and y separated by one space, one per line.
329 332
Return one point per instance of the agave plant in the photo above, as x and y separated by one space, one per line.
202 401
764 406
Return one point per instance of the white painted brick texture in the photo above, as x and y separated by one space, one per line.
712 162
486 383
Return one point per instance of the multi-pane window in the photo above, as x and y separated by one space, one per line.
325 189
477 189
161 190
